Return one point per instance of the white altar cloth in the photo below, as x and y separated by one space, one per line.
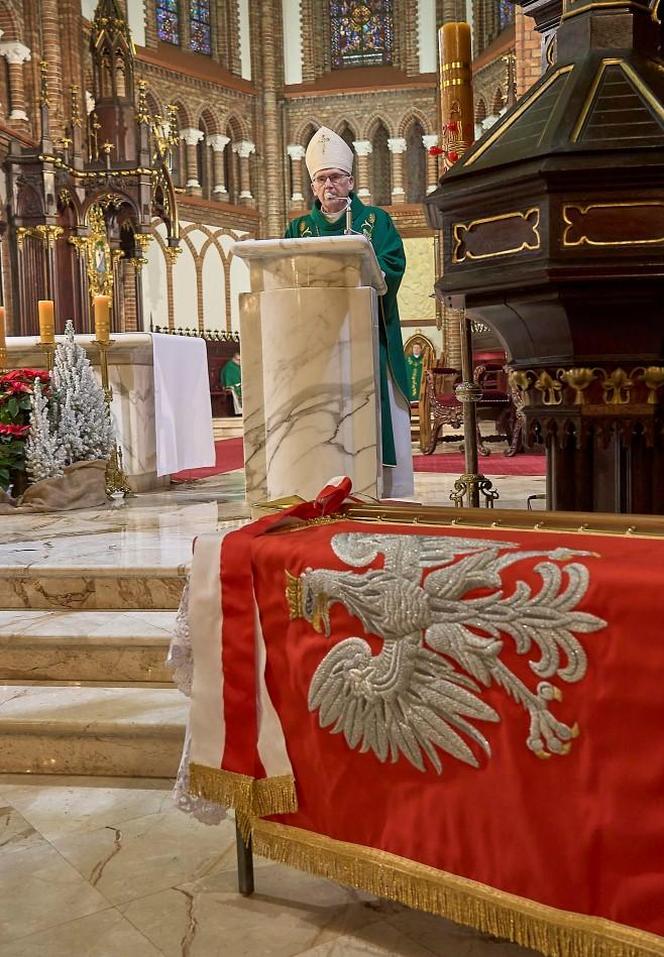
183 410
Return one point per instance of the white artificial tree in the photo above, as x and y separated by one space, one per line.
44 456
83 423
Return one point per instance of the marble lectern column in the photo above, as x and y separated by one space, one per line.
310 388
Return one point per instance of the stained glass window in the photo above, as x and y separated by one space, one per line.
168 24
199 21
505 13
361 32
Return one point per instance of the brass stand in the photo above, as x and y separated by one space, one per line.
49 352
472 483
116 479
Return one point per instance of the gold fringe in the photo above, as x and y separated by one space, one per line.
553 932
249 797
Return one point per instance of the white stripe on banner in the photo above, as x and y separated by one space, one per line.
271 741
208 731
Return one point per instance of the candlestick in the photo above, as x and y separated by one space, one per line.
102 311
46 310
3 341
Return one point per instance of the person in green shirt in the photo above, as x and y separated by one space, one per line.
230 377
329 161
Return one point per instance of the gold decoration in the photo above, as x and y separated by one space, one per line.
460 229
553 932
99 262
586 240
75 110
617 387
294 597
579 380
249 797
48 234
653 376
116 479
43 84
520 381
550 389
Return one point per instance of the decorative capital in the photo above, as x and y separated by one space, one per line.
14 52
429 140
397 145
191 135
217 141
362 147
244 148
295 151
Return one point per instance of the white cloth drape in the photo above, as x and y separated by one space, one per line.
183 410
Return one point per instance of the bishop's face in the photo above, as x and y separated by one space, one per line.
331 187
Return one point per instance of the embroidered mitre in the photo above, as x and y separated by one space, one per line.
326 150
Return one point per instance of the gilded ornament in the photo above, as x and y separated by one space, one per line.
653 377
617 387
550 389
579 380
519 381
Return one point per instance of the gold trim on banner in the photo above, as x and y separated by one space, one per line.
584 239
249 797
525 246
553 932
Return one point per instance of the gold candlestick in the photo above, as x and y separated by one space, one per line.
116 478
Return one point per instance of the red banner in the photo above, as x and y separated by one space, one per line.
485 703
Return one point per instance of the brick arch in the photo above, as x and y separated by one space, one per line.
238 126
344 120
480 111
301 131
154 104
372 123
183 115
210 121
410 117
10 22
498 101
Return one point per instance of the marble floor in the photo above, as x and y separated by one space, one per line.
107 867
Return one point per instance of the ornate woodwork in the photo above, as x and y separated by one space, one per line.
553 235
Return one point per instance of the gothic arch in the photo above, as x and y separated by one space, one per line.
410 117
373 122
183 115
305 131
498 101
209 121
480 111
415 161
342 121
235 126
380 165
9 23
154 106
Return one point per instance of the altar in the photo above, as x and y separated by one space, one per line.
488 749
161 401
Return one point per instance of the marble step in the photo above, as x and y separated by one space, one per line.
85 645
34 587
121 732
230 428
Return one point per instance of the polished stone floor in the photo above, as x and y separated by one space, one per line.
108 868
101 867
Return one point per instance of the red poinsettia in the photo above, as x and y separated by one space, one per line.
18 431
436 151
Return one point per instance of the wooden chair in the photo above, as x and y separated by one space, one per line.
439 405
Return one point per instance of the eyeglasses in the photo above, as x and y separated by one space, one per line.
332 177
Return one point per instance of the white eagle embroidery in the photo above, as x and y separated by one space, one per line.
442 641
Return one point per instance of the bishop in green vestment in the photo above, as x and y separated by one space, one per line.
329 161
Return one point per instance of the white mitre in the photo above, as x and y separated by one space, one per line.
326 150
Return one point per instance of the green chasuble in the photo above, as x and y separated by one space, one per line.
414 365
378 227
231 378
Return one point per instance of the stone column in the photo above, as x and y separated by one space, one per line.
244 149
218 142
429 140
296 153
397 148
192 138
16 55
363 148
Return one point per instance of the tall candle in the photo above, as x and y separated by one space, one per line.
102 310
456 79
46 310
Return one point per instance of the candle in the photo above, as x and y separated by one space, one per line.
46 309
102 310
456 89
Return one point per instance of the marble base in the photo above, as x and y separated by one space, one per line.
85 646
311 407
84 730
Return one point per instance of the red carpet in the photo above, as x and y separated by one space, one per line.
494 464
230 457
